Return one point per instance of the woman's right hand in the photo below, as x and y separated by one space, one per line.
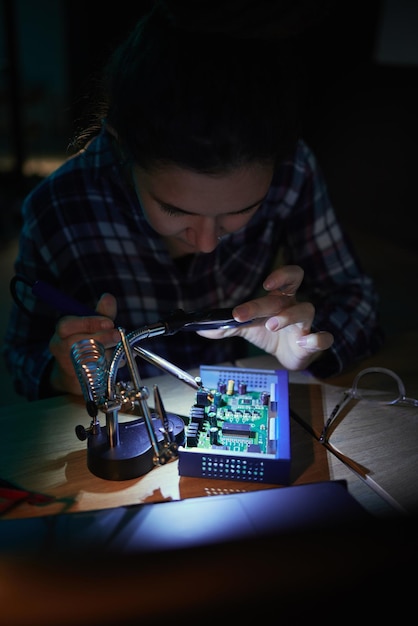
71 329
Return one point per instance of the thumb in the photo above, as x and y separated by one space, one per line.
107 306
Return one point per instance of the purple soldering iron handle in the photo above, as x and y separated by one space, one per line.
198 320
60 301
179 320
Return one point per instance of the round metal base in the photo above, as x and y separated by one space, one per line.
134 455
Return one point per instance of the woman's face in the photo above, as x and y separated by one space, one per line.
191 211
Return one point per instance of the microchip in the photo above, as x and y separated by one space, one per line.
230 429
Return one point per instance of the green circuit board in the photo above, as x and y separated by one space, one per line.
238 428
236 422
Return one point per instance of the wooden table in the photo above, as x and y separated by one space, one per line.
40 452
289 578
372 446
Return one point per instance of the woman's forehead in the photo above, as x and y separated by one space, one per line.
196 192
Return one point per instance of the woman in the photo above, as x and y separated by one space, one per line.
195 191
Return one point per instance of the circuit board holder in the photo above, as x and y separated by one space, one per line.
242 431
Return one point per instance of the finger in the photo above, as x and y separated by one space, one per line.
61 347
107 306
286 280
282 285
267 306
300 315
314 342
218 333
83 327
91 325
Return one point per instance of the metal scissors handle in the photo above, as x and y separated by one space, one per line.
207 319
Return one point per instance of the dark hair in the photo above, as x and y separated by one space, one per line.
207 101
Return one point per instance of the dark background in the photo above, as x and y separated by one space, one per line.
361 66
360 117
361 70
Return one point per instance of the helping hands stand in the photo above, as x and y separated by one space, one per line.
121 451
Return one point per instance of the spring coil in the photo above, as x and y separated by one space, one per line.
89 360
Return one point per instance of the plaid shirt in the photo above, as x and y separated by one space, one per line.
85 233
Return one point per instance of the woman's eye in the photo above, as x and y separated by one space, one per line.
169 210
249 209
176 212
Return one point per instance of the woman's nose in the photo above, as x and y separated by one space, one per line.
207 234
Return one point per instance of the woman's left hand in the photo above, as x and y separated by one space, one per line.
282 325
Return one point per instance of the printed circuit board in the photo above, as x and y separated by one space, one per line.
239 426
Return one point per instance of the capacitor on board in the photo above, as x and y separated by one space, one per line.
265 398
242 388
